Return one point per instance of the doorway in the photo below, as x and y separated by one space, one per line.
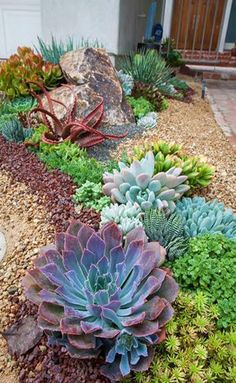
196 24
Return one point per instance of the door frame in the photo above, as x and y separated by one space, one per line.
167 21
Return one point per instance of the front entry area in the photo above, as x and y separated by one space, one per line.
196 24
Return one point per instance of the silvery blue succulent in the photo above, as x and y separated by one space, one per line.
127 217
97 294
149 121
200 217
127 82
137 183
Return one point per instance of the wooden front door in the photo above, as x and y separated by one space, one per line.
196 24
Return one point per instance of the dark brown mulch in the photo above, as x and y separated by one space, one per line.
53 188
44 364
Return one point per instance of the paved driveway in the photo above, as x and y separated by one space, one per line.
222 96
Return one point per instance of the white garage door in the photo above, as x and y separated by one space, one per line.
20 24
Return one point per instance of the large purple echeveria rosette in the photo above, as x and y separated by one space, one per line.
95 294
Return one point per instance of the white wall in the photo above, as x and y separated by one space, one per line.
20 23
93 19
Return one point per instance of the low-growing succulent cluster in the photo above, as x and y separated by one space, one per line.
200 217
137 183
149 121
168 230
127 217
127 82
94 294
140 106
90 195
194 351
26 66
209 266
148 92
14 131
18 105
166 155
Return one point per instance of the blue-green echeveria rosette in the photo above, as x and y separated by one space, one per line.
96 294
138 184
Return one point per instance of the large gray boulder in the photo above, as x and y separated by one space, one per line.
93 76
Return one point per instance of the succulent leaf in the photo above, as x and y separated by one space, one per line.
96 295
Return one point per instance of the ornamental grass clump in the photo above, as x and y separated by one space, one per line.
137 183
97 295
201 217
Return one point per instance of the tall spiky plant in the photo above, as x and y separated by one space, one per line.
147 67
56 48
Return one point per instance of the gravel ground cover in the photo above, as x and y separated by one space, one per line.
193 125
25 222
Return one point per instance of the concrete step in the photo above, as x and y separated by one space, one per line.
214 72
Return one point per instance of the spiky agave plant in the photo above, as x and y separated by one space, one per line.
94 294
147 67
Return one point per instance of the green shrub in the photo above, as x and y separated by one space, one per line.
194 351
52 51
210 266
24 66
140 106
90 195
164 104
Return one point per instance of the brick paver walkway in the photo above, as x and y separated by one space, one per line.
222 96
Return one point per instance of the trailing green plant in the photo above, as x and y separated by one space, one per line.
53 50
137 183
201 217
127 217
168 230
18 105
97 295
74 161
140 106
167 155
25 66
209 266
194 351
90 195
147 67
14 131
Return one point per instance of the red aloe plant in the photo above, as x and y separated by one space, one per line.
82 131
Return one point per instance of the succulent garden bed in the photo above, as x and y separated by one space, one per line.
139 285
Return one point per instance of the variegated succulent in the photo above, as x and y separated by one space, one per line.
96 295
137 183
126 216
